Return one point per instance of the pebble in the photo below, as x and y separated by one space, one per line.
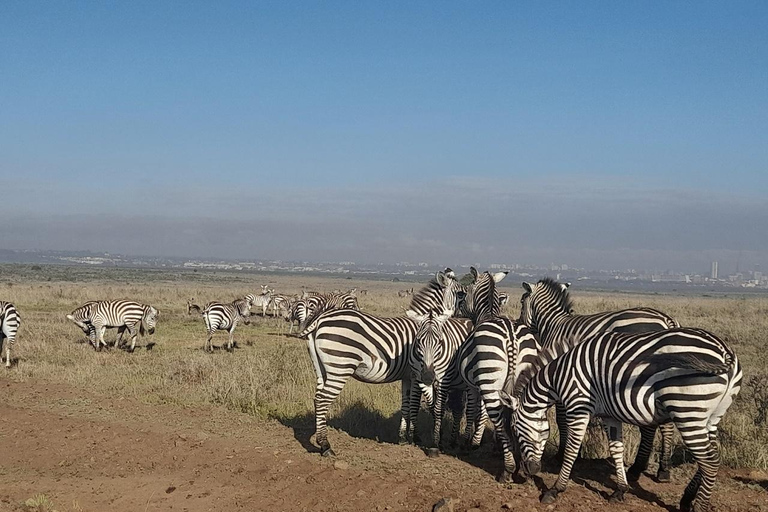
340 464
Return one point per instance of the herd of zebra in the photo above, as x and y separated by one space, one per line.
453 349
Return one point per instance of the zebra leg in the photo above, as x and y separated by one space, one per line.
437 413
231 341
119 341
496 413
576 428
707 455
667 440
457 404
325 394
208 346
562 427
8 355
616 446
473 405
132 332
99 335
647 436
413 412
405 413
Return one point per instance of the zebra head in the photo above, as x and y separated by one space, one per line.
547 299
442 293
483 297
531 430
428 358
149 319
250 299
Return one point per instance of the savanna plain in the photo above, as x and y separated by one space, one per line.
170 427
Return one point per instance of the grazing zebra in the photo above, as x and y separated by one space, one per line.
262 301
96 316
279 302
497 350
683 375
547 309
433 362
318 304
10 320
405 293
226 317
193 308
349 343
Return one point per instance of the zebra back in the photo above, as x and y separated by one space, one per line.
547 309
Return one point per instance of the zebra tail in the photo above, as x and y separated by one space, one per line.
310 326
695 362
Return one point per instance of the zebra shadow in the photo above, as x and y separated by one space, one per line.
591 473
356 420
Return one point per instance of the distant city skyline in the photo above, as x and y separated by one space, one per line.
607 135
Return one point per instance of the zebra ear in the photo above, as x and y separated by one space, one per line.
443 279
498 276
527 287
473 271
565 286
508 400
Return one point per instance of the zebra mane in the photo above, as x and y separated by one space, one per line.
558 292
426 294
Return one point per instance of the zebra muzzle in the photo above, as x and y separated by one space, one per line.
428 376
532 467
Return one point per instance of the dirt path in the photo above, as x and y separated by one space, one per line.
90 453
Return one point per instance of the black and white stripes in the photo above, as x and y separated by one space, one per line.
685 376
222 316
9 327
96 316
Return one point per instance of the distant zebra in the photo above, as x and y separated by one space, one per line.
405 293
262 301
220 316
318 304
193 308
547 309
96 316
433 360
10 320
494 355
685 376
349 343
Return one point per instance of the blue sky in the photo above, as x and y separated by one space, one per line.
408 130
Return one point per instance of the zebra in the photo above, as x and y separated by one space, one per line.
432 359
222 316
349 343
405 293
262 300
10 321
547 309
685 376
95 317
497 350
318 304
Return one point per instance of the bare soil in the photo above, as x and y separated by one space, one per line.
87 452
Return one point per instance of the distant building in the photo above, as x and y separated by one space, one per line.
714 270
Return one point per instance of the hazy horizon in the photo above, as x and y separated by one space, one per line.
601 135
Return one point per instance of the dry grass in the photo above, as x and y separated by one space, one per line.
270 375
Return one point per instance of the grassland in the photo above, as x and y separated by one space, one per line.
269 375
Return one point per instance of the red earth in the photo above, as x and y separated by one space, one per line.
88 452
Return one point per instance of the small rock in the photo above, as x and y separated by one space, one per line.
360 493
340 464
508 505
475 509
445 505
550 507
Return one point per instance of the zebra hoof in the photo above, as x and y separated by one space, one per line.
327 452
505 477
617 496
433 452
663 476
550 496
